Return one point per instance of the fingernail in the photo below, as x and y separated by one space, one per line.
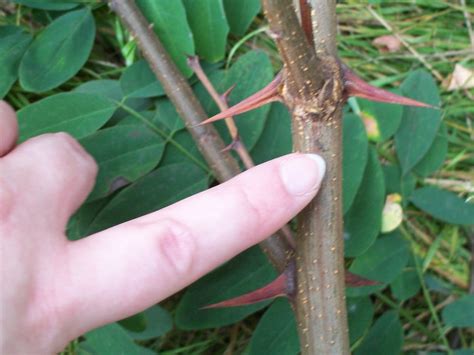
303 173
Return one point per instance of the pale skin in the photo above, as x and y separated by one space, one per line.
54 290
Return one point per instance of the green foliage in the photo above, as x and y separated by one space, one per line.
355 155
58 52
363 220
384 338
276 332
360 312
139 81
151 323
55 5
460 313
13 43
443 205
240 14
419 125
171 26
75 113
209 25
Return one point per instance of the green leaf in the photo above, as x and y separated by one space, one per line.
386 117
354 157
363 220
246 272
159 189
209 25
75 113
460 313
443 205
168 18
360 312
435 156
55 5
419 125
139 81
276 332
13 43
124 153
406 285
275 140
384 260
112 90
151 323
111 339
185 150
58 52
167 117
240 14
79 223
384 338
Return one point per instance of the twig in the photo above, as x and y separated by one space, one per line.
417 55
467 18
190 110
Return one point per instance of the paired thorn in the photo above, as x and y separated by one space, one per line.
282 286
353 85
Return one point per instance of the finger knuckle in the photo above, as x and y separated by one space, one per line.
174 246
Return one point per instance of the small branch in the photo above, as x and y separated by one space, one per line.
323 16
190 110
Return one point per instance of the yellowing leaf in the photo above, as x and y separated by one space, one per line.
392 214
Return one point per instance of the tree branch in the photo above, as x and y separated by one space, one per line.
190 110
313 90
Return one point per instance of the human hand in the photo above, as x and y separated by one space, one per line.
54 290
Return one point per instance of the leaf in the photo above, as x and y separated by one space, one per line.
460 313
248 271
209 25
167 117
58 52
419 125
159 189
443 205
80 221
112 90
384 338
75 113
139 81
405 285
363 220
47 4
111 339
168 18
354 158
435 156
360 312
392 214
124 153
13 43
276 332
384 260
151 323
240 14
184 150
385 117
275 139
